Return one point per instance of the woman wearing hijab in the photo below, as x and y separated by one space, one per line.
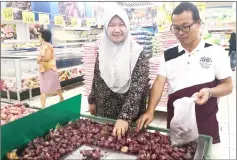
232 51
120 85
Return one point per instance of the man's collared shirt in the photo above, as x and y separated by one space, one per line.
203 65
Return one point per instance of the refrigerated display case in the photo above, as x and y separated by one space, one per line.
14 70
21 76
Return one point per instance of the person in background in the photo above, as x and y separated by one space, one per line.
232 51
120 85
192 66
49 80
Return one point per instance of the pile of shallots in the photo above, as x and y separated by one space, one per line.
12 112
65 139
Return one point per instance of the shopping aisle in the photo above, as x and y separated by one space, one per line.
51 100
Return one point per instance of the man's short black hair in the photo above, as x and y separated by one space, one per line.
187 6
46 35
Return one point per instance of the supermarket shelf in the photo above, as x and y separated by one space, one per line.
143 26
19 42
25 94
8 78
32 75
80 39
32 53
69 68
77 28
222 30
68 44
27 76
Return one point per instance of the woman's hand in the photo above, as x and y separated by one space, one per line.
120 128
92 109
39 59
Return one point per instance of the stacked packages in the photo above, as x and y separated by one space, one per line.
90 51
161 42
144 38
167 39
154 64
157 48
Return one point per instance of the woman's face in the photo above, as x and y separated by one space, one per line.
117 30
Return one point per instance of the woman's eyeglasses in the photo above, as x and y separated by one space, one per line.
176 29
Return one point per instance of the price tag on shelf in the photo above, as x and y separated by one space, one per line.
88 23
93 21
83 33
74 21
58 20
28 17
99 26
44 18
8 13
201 5
161 28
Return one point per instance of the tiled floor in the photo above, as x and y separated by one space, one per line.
226 117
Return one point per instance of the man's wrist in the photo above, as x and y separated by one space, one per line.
209 92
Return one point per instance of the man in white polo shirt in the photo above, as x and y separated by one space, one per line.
192 66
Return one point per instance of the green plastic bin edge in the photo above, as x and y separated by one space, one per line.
19 133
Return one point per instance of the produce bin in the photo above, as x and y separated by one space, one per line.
17 134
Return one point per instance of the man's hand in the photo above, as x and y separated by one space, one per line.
145 120
92 109
202 96
120 128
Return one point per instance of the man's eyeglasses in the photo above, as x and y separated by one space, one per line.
176 29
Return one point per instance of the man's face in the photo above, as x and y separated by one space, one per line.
190 28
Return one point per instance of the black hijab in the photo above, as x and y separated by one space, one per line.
232 42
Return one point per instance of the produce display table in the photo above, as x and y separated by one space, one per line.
38 125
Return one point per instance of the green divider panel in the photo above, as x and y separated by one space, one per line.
17 134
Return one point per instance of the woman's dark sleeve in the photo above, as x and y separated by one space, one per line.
139 83
91 97
232 46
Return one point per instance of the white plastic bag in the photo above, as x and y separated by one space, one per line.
183 126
